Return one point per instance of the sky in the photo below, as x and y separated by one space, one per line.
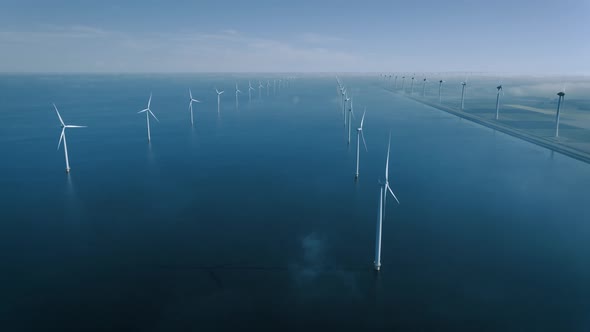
526 36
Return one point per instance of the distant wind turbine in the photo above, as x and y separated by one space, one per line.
190 104
560 102
250 88
274 87
500 89
395 82
385 188
346 100
412 86
440 83
403 83
464 83
359 134
424 87
260 86
219 93
267 88
63 137
350 115
148 112
237 99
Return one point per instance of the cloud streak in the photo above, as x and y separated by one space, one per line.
224 51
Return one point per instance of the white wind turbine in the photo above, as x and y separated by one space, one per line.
63 137
346 100
464 83
560 103
190 104
412 85
500 90
250 88
424 87
267 88
148 112
260 86
219 93
385 188
350 115
440 83
359 134
237 92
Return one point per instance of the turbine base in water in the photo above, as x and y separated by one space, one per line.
377 266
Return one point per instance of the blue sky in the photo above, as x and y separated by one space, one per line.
312 36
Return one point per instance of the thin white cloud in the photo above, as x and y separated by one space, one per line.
93 49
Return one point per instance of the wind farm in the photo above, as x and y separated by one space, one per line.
460 207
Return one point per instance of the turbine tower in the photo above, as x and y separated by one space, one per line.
464 83
385 188
63 137
440 83
350 114
424 88
403 83
412 86
344 108
219 93
237 99
500 89
359 134
250 88
560 101
148 112
190 104
260 86
395 83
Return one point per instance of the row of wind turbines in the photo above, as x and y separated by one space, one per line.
384 187
282 83
499 92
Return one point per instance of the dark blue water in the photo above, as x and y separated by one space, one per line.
253 218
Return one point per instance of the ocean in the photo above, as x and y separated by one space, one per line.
253 218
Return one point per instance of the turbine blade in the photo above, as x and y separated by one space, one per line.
145 110
364 142
392 194
59 116
153 115
150 101
387 162
363 118
61 137
190 93
196 101
74 126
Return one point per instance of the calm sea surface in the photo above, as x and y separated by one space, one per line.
253 219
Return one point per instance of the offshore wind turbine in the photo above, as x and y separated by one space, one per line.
237 99
440 83
403 83
424 87
395 82
385 188
260 86
267 88
350 115
190 104
500 89
219 93
560 102
250 88
344 108
148 112
412 86
359 134
63 137
464 83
